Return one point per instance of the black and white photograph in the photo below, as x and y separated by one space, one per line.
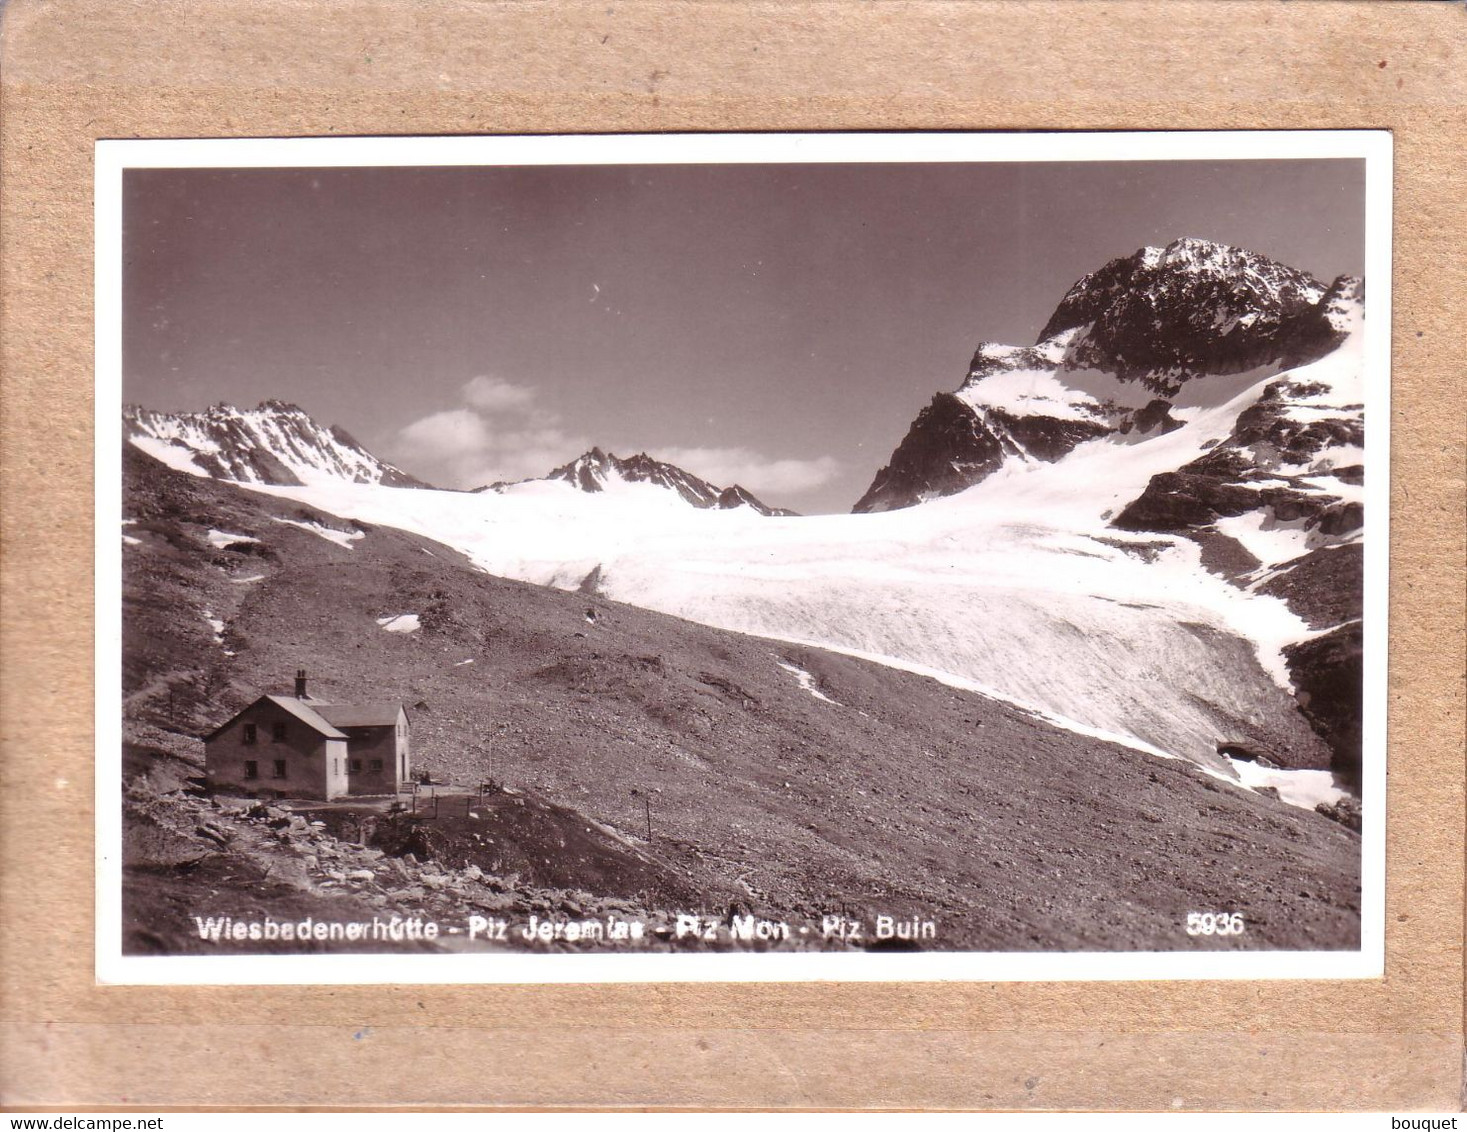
742 557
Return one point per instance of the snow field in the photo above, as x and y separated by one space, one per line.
1016 588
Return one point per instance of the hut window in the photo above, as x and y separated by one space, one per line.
279 768
252 769
249 734
377 764
277 732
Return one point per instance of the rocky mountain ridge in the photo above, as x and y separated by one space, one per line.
1163 316
594 471
274 443
1114 359
279 444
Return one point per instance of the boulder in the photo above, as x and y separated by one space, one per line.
149 844
1346 811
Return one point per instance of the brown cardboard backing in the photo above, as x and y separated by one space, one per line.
79 70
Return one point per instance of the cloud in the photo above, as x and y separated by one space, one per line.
499 434
752 469
449 434
459 449
495 395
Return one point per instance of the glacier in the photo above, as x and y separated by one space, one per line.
1017 587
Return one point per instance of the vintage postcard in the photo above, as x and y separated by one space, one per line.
742 557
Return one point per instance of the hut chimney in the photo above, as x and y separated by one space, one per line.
300 683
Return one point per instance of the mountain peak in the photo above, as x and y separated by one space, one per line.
1190 250
597 470
1120 346
276 405
276 442
1195 306
739 496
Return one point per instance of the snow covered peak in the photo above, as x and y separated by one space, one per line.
275 443
737 496
595 471
1188 250
1114 360
993 357
1021 381
598 471
1194 252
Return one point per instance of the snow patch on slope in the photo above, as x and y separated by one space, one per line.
218 626
177 456
807 682
330 534
1030 393
222 539
1303 788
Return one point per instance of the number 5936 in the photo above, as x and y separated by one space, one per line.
1215 923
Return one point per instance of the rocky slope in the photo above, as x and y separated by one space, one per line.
788 779
1278 507
274 443
597 471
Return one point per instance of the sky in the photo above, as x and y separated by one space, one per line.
773 325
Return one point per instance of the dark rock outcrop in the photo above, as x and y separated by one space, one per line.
1346 811
1273 465
1328 673
952 446
1265 464
1323 587
1164 315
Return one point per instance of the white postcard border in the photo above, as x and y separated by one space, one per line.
114 156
